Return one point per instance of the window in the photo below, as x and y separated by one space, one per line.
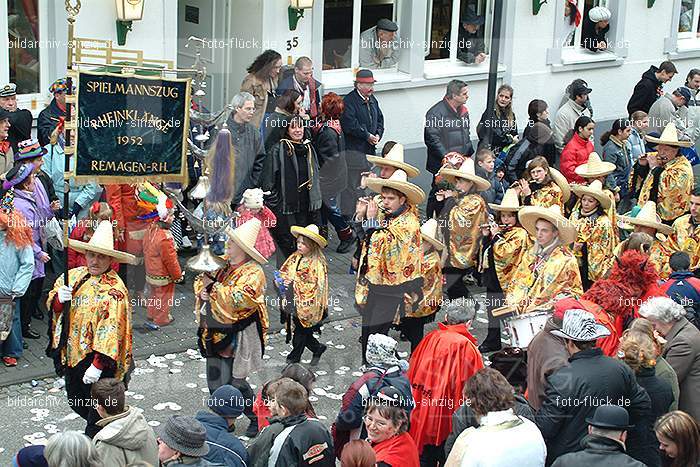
689 20
445 28
572 34
342 39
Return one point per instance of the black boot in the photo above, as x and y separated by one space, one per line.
347 240
492 343
317 355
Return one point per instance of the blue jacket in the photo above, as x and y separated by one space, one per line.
17 268
224 447
360 119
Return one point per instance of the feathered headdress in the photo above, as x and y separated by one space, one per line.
221 173
153 202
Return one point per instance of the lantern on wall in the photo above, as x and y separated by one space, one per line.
296 11
127 11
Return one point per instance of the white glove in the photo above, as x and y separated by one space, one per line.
65 293
92 375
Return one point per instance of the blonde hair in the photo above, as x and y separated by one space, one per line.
637 351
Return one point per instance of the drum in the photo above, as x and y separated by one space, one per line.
522 328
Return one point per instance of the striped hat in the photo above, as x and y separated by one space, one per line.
580 326
28 149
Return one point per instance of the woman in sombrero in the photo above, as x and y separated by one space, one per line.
596 236
543 186
232 331
417 314
460 220
93 339
390 258
305 282
504 244
648 221
597 169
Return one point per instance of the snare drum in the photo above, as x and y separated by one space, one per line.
523 328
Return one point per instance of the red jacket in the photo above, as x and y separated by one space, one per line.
575 153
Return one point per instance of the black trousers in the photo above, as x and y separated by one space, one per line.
30 302
413 329
433 207
454 282
79 398
494 299
220 372
378 315
284 238
133 276
303 339
433 456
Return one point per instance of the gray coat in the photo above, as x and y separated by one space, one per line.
250 156
664 111
682 352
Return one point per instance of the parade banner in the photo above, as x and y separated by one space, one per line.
131 128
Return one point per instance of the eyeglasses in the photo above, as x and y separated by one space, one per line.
376 423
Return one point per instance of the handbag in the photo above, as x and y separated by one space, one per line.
7 313
53 233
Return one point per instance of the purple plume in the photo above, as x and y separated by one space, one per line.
221 169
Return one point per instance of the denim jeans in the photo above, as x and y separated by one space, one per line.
12 346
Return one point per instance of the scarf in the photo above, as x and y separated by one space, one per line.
542 254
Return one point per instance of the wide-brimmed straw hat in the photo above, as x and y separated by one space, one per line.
509 203
669 137
245 236
398 181
394 158
580 326
529 215
595 190
466 171
647 217
562 182
102 242
595 167
429 233
311 232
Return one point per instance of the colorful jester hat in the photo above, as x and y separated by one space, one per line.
153 202
221 172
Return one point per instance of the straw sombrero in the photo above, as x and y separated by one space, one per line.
595 189
563 183
245 236
647 217
102 241
467 172
529 215
311 232
669 137
429 233
398 181
394 158
509 203
595 167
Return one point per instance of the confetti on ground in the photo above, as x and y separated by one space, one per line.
266 357
313 398
205 389
192 352
482 320
284 353
340 346
170 356
191 385
357 373
154 423
202 376
269 347
403 354
306 362
321 372
322 417
339 372
167 405
344 368
175 371
338 327
319 391
70 416
329 343
138 397
337 308
178 363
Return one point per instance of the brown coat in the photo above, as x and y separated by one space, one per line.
259 89
545 355
682 352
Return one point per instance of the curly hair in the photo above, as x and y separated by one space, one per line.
488 391
637 350
263 63
332 106
16 229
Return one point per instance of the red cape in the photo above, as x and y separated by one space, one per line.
443 361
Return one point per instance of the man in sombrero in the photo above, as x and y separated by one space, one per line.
686 232
390 259
90 330
648 221
549 268
232 314
669 185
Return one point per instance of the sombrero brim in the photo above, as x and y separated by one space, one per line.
413 193
602 198
498 207
438 245
450 174
562 182
119 256
663 228
252 252
582 170
410 170
600 332
316 238
680 144
529 215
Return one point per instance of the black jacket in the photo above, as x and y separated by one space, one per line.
445 131
330 149
289 170
469 45
598 451
47 121
645 93
359 120
20 127
495 133
642 436
306 442
590 36
464 418
573 392
523 152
